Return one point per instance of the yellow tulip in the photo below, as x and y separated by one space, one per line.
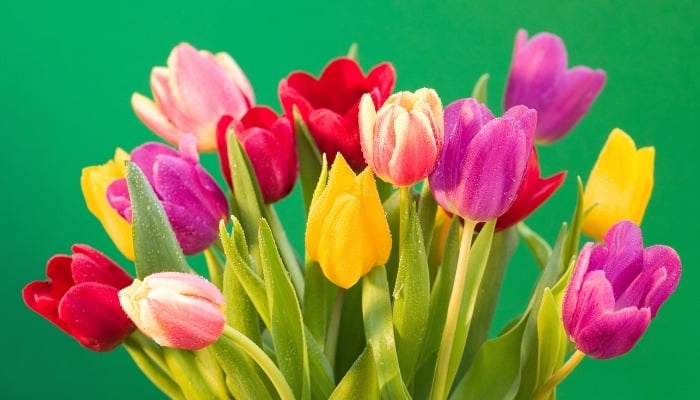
619 186
94 182
347 232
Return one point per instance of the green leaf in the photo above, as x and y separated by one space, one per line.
502 249
310 157
552 339
240 311
539 247
379 330
574 236
318 300
427 209
184 370
393 218
412 289
495 370
360 382
147 356
215 267
440 296
243 378
287 328
480 89
320 369
352 52
351 335
155 247
247 198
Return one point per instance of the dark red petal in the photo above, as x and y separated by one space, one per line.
93 316
261 117
37 296
334 134
383 76
89 265
58 270
221 130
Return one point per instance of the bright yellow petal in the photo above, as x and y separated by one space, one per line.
341 252
94 182
619 185
375 225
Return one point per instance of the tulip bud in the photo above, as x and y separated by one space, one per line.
192 93
616 289
347 232
483 159
94 182
80 297
176 309
402 141
619 186
539 79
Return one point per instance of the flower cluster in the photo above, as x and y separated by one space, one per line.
395 291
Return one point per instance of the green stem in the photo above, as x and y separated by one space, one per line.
334 327
442 381
266 364
544 391
153 368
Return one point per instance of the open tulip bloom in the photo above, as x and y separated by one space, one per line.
413 212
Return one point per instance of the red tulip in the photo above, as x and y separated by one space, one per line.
80 297
329 105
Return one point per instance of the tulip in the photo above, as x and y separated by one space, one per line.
539 79
176 309
347 231
533 192
483 159
329 105
192 93
619 186
191 198
616 289
80 298
269 142
403 140
94 182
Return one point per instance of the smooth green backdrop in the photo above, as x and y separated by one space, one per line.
68 69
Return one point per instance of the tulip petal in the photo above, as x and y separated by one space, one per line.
343 261
594 299
236 73
660 258
615 333
89 265
149 113
416 150
333 134
92 314
573 289
568 101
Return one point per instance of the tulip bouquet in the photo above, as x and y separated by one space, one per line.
413 212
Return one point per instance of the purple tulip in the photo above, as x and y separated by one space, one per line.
539 79
192 200
483 159
616 289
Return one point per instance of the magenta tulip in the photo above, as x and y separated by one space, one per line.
539 78
192 200
616 289
80 297
483 159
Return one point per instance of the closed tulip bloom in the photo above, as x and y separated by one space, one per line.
192 93
80 298
483 159
193 202
533 192
347 232
329 105
616 289
94 182
402 141
619 186
176 309
269 142
540 78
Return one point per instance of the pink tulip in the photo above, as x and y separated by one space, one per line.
176 309
402 141
192 93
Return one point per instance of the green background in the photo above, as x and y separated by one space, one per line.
68 69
